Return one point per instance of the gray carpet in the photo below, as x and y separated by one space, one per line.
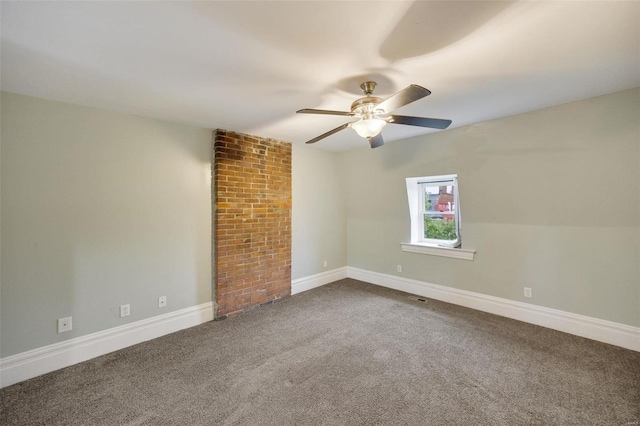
348 353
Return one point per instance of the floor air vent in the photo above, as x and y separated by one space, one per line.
417 299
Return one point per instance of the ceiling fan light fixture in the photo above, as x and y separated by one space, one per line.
368 128
374 113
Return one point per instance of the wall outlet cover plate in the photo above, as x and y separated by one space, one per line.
64 324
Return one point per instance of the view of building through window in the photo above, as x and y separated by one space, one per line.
439 212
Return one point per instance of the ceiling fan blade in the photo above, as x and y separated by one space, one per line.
434 123
404 97
323 111
376 141
329 133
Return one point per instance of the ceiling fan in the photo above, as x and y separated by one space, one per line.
373 113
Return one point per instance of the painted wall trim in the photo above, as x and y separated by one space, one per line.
312 281
33 363
455 253
617 334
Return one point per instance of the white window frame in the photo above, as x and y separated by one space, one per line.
420 244
447 180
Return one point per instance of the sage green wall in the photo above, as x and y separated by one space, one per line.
319 217
99 209
549 199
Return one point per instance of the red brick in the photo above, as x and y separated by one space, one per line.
252 223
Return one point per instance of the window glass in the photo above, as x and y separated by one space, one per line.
439 212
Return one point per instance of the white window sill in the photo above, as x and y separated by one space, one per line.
455 253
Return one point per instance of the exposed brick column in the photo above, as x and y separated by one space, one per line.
252 221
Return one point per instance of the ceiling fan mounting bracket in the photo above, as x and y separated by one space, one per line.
367 87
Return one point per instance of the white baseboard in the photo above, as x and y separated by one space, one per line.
317 280
26 365
592 328
23 366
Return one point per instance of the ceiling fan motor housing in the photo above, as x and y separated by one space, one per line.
366 106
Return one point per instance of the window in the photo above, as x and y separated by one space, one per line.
435 210
434 207
439 215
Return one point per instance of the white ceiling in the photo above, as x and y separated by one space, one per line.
248 66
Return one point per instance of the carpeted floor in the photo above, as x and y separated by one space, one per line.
348 353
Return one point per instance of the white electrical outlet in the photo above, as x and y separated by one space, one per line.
162 301
64 324
125 310
326 264
399 268
527 292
